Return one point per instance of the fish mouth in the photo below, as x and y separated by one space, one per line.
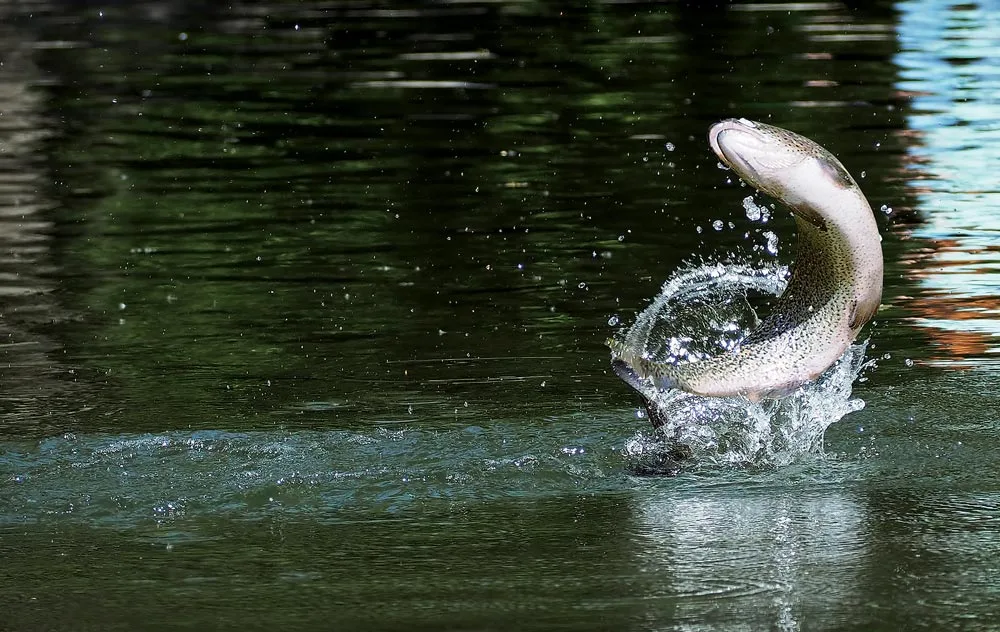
724 138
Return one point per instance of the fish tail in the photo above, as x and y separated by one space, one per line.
638 372
617 347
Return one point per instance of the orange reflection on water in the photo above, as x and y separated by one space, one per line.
953 346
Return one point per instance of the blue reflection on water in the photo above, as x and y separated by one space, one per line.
949 64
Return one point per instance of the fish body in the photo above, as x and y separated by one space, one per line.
835 285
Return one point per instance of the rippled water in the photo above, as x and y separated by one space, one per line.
304 309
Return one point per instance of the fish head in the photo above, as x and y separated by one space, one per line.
775 161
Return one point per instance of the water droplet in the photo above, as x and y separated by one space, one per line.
864 174
718 224
670 147
885 208
613 320
772 242
908 362
753 212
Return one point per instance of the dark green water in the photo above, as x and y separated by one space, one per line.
303 309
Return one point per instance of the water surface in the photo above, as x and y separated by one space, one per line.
304 309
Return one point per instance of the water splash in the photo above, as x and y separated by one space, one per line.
703 310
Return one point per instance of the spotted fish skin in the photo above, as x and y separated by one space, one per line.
836 282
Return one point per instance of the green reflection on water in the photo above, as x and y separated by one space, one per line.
266 240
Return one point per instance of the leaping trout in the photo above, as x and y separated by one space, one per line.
835 285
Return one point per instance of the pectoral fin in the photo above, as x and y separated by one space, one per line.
627 374
861 312
809 215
